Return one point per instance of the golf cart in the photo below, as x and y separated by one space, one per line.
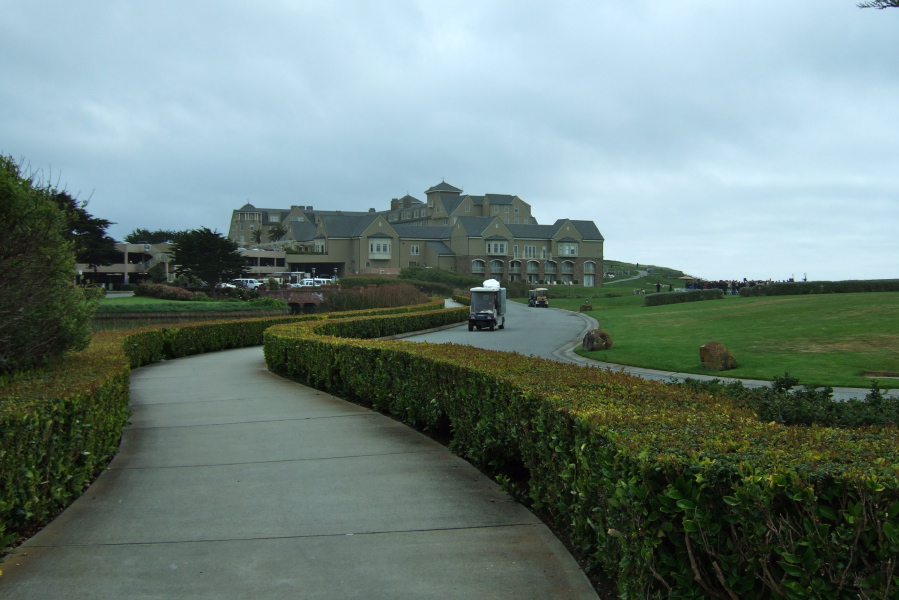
538 297
488 306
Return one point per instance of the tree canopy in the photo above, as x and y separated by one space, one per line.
42 313
881 4
93 247
208 255
157 236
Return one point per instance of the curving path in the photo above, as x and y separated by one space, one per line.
233 483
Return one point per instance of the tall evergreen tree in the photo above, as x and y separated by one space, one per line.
208 256
42 313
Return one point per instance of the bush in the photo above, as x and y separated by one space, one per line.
675 493
382 296
680 297
42 313
167 292
447 278
794 288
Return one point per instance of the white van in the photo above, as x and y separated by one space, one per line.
250 284
312 282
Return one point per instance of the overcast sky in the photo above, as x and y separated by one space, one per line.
729 140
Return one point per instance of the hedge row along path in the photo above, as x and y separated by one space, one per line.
235 483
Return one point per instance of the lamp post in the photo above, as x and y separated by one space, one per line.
335 273
313 272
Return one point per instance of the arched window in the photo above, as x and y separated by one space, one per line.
496 266
477 266
549 267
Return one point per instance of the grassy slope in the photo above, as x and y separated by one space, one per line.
136 304
828 339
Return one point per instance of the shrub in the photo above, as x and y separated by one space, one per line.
794 288
167 292
383 296
42 313
680 297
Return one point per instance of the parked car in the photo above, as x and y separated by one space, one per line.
250 284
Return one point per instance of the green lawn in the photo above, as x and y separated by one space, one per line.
138 304
828 339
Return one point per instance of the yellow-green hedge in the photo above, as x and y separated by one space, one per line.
59 426
673 494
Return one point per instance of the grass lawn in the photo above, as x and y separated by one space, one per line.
139 304
827 339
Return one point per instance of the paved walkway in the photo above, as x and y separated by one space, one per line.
233 483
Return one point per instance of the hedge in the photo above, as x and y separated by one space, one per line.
794 288
660 299
60 426
671 492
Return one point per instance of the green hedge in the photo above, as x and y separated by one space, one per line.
794 288
672 492
679 297
60 426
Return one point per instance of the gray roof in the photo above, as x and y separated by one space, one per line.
443 187
535 232
441 249
474 226
301 231
587 229
499 198
423 232
477 200
450 203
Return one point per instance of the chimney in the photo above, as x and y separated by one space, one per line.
308 208
407 202
394 204
371 210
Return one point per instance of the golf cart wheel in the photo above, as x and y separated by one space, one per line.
470 326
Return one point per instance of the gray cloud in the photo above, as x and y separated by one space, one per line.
755 140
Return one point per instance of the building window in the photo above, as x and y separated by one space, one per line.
468 208
379 249
549 268
589 267
516 220
515 265
415 214
515 251
589 280
533 267
319 245
413 250
506 209
251 227
495 209
273 219
477 266
530 251
496 247
543 255
568 249
241 239
496 266
568 267
525 221
516 209
297 219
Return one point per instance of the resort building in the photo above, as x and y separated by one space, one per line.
494 236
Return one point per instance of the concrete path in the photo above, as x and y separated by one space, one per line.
233 483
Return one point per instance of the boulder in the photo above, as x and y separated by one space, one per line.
597 340
716 357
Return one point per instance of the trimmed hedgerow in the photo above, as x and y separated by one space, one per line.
794 288
672 492
59 426
680 297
